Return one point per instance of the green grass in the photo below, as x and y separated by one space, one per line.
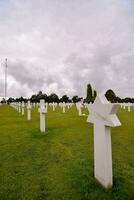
59 164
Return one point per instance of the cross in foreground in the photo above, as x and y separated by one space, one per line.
103 116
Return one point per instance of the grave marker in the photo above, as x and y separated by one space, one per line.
19 106
42 111
28 111
63 106
79 107
23 106
103 116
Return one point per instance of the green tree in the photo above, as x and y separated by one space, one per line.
10 100
110 95
65 99
76 99
53 98
3 100
20 99
89 97
33 98
94 94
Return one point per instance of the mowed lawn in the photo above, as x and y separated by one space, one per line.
59 164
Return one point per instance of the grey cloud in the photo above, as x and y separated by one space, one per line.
60 46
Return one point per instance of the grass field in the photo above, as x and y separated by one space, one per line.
59 164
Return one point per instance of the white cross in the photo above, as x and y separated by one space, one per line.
46 106
42 111
63 106
53 104
23 106
129 107
28 111
102 115
19 106
79 107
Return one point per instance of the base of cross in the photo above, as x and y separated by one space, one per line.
102 182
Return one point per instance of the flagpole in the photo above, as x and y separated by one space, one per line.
5 79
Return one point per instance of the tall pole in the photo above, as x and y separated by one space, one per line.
5 79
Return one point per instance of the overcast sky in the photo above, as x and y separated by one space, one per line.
61 45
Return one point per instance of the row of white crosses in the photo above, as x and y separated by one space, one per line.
63 106
14 105
54 105
69 105
20 107
103 116
127 105
43 109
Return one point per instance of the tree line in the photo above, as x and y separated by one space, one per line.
90 97
48 98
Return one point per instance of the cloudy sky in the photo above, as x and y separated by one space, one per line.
61 45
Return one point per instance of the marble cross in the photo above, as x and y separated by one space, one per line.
42 111
63 107
53 104
129 107
19 106
79 107
28 111
103 116
46 106
23 106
